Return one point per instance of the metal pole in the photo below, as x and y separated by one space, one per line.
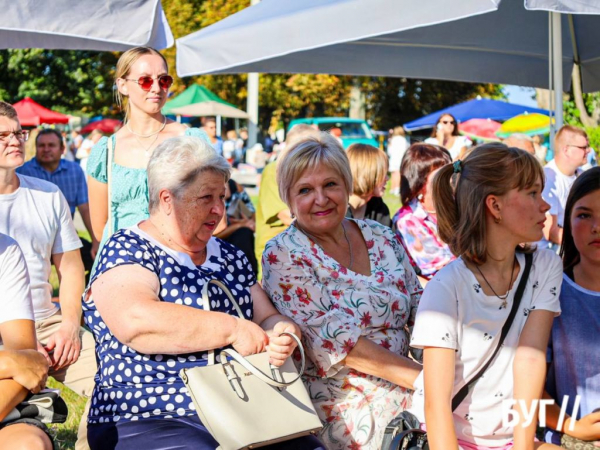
252 105
557 69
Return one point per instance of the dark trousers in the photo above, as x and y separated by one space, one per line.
172 434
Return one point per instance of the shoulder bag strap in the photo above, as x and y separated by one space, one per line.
462 394
109 161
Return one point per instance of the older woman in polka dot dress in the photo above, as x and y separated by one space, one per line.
145 308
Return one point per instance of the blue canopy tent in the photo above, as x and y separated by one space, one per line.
481 108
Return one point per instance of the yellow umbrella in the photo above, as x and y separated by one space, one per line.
533 123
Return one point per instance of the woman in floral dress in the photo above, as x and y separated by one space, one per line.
350 287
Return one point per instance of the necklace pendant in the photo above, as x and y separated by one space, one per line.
504 304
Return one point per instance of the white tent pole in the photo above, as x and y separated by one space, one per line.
557 69
550 81
252 102
218 126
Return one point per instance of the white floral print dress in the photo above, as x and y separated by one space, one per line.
335 307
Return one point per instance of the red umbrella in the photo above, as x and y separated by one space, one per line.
32 114
104 125
484 129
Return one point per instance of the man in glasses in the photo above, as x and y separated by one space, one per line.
36 215
571 148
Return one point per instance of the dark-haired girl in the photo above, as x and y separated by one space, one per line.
415 222
487 205
574 352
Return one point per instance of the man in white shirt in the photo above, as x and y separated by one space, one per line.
36 215
571 148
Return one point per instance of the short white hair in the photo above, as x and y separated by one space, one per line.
177 162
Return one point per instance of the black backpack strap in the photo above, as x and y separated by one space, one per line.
462 394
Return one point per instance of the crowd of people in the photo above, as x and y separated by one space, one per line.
488 271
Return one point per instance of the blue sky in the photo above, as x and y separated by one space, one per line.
520 95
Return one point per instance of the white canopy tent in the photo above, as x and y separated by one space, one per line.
110 25
494 41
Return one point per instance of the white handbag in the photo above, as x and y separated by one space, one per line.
241 405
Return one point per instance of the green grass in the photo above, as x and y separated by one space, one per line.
66 433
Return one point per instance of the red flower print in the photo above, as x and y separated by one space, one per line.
287 298
285 287
348 311
370 244
294 312
349 428
337 294
365 321
396 306
348 346
328 345
380 277
334 274
343 270
385 344
272 258
355 446
321 372
303 295
320 313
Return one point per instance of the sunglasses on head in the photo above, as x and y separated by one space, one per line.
146 82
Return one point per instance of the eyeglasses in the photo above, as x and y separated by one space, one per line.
580 147
446 122
146 82
21 135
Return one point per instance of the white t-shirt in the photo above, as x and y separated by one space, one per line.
37 216
396 150
459 143
455 313
14 283
556 192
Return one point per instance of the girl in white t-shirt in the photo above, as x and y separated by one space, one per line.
487 205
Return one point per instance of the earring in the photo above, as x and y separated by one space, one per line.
420 197
293 216
497 219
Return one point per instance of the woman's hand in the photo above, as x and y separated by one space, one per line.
587 428
281 347
249 338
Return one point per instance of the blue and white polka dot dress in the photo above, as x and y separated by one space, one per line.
131 385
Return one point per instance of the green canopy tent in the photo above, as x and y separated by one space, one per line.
198 101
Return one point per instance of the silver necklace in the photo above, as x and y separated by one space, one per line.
345 237
164 124
510 285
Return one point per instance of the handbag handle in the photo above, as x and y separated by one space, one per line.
235 355
259 373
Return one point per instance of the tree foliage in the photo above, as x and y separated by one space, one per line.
69 81
80 82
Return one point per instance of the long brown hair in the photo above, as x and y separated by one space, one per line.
585 184
459 197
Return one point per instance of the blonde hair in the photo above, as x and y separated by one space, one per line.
561 135
307 154
369 166
459 198
124 65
